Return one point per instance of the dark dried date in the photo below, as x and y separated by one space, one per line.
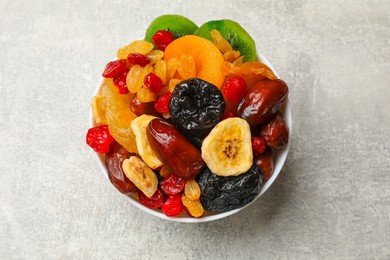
275 133
173 149
114 159
262 101
265 162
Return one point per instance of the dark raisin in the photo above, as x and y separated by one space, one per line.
227 193
196 106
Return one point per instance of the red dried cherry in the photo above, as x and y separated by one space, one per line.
155 202
99 138
138 59
153 82
258 145
114 68
120 82
172 206
162 39
235 89
161 104
173 184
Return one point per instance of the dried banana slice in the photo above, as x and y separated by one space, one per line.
227 150
141 175
138 125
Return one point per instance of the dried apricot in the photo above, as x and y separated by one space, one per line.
208 59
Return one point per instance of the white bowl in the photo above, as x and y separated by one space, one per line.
278 155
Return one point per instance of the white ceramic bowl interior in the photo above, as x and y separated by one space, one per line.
279 160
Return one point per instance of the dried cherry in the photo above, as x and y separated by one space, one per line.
155 202
227 193
172 206
114 68
196 106
173 184
99 138
120 82
114 159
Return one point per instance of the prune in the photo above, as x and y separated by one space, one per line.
114 159
227 193
196 106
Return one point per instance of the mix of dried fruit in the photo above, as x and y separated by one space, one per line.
188 118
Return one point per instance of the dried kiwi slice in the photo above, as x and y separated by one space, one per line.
176 24
238 38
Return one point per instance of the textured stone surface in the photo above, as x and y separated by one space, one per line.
332 199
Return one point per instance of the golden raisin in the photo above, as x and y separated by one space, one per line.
192 190
140 46
135 79
231 56
155 56
222 44
160 69
171 68
172 84
145 95
186 67
194 208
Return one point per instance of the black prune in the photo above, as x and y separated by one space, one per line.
196 106
227 193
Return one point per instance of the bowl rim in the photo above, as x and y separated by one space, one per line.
183 218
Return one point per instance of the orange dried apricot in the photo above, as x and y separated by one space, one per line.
208 59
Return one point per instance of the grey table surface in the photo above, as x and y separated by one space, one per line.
331 200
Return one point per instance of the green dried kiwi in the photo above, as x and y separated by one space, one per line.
238 38
176 24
